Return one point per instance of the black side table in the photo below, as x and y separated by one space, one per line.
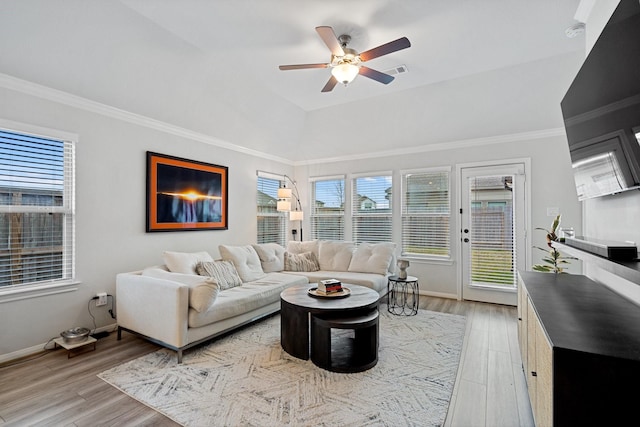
403 295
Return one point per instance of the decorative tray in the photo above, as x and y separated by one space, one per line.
345 292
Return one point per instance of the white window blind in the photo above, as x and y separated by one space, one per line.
426 214
371 209
492 230
272 225
37 221
327 212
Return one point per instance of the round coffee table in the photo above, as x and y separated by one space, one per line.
297 306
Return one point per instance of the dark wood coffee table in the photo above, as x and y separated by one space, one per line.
297 306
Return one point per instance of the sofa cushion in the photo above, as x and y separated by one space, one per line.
245 259
202 291
184 262
223 272
271 256
335 256
306 261
372 258
377 282
242 299
294 247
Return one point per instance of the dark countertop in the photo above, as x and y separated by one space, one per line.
581 315
629 270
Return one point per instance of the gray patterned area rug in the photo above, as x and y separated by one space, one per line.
246 379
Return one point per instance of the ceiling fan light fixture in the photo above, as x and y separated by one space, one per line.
346 63
345 72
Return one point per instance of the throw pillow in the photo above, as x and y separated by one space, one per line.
301 262
223 272
184 262
202 296
294 247
246 261
271 256
335 256
202 292
372 258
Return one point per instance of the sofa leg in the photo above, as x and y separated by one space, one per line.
179 356
119 333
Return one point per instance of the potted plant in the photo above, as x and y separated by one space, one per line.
554 260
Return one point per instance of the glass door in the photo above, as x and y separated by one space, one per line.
493 232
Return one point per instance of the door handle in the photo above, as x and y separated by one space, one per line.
466 230
465 240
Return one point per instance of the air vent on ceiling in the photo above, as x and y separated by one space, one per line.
400 69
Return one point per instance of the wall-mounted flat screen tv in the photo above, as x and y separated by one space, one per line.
601 109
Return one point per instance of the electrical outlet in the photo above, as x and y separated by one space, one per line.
102 299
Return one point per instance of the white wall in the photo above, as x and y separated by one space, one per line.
111 172
461 121
508 101
110 228
551 183
111 192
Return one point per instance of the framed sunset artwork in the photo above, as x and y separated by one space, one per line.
185 195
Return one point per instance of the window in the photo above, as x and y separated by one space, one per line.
272 225
36 210
327 212
426 213
371 209
492 231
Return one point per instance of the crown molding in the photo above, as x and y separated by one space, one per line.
442 146
61 97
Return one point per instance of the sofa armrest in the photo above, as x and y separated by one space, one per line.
153 307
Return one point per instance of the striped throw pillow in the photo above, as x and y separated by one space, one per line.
223 272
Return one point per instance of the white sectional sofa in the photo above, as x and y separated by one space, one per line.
367 264
174 306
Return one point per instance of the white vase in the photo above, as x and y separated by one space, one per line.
402 265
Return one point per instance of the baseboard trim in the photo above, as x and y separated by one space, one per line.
437 294
30 351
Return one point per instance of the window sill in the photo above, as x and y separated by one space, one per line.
426 260
35 291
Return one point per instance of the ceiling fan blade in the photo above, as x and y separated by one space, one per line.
329 38
401 43
302 66
330 85
376 75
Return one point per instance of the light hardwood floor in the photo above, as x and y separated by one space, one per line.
54 390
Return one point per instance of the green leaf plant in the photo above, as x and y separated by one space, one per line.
554 261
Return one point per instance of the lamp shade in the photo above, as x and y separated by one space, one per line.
345 73
284 193
296 216
283 206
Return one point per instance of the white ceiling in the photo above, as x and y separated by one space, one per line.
185 61
450 39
